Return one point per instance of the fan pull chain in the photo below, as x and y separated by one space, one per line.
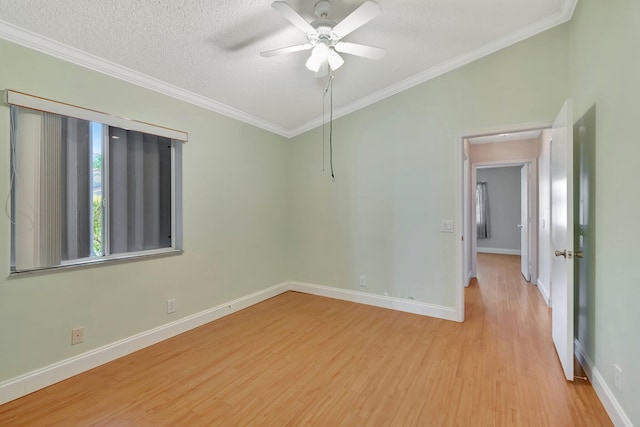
328 89
324 96
333 177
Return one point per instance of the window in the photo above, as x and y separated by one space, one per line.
88 187
482 210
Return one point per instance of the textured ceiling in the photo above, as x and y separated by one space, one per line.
207 51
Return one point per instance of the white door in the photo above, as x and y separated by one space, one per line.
562 237
524 222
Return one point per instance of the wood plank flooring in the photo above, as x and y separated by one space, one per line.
298 359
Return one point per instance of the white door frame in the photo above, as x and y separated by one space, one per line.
459 156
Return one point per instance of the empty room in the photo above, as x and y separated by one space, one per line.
264 213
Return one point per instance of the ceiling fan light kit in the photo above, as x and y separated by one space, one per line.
319 54
335 60
324 37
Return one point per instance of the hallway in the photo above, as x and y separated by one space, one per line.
511 323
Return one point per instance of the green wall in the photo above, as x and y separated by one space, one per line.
396 172
605 73
234 220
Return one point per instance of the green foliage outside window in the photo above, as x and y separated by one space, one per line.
97 163
97 225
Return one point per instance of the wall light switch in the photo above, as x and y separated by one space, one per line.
446 226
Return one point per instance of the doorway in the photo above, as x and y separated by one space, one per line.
511 156
560 228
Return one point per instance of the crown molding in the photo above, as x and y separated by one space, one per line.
67 53
561 17
569 8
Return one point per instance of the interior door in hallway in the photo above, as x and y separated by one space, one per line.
525 264
562 238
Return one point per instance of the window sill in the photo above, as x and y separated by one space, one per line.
98 262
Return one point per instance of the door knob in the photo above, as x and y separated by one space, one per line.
561 253
579 254
519 225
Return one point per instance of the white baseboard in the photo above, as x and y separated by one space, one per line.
44 377
499 251
400 304
606 396
544 291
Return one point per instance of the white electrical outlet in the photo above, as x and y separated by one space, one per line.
77 336
363 281
617 378
446 226
171 305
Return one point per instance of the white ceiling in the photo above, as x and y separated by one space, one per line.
207 51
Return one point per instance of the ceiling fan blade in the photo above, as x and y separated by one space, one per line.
362 50
365 13
283 50
292 16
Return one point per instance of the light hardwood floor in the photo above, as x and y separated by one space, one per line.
298 359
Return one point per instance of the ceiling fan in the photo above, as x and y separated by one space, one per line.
324 36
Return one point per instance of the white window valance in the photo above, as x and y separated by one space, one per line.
49 106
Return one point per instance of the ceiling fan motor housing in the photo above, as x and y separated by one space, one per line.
324 33
322 8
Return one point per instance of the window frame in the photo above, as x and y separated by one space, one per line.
20 99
